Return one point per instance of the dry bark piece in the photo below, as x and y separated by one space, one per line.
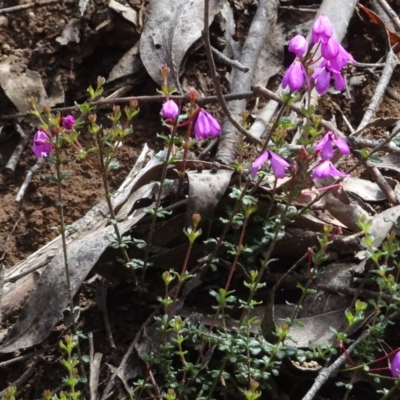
367 190
19 85
127 12
205 190
169 32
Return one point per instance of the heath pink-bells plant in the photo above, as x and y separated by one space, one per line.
170 110
278 164
206 126
325 146
41 145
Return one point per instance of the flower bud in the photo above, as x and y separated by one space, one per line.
298 45
68 122
92 118
170 110
133 104
164 71
193 96
100 81
196 218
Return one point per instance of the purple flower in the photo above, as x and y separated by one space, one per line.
330 49
321 30
278 164
341 60
395 365
325 146
298 45
206 125
295 77
170 110
326 168
68 122
322 78
41 145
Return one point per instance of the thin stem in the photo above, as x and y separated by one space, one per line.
60 207
158 201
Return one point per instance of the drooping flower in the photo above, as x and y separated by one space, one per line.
295 77
395 365
68 122
41 146
322 78
170 110
206 126
330 49
326 148
325 169
298 45
341 60
322 29
278 164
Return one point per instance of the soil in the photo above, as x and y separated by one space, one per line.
31 35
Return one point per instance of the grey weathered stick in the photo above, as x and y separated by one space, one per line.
390 64
360 143
382 183
392 15
264 16
325 373
224 59
15 156
28 178
95 361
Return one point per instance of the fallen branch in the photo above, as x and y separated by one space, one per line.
16 155
28 178
325 373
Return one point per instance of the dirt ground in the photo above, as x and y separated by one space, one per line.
31 35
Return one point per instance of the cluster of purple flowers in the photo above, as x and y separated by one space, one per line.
205 126
325 148
334 58
42 145
322 170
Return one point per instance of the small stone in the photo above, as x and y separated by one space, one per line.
3 20
6 47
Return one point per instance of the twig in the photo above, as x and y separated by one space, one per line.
27 356
13 161
263 92
382 182
360 143
102 289
128 354
325 373
95 360
28 178
221 57
29 5
392 15
390 64
352 292
145 99
25 377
